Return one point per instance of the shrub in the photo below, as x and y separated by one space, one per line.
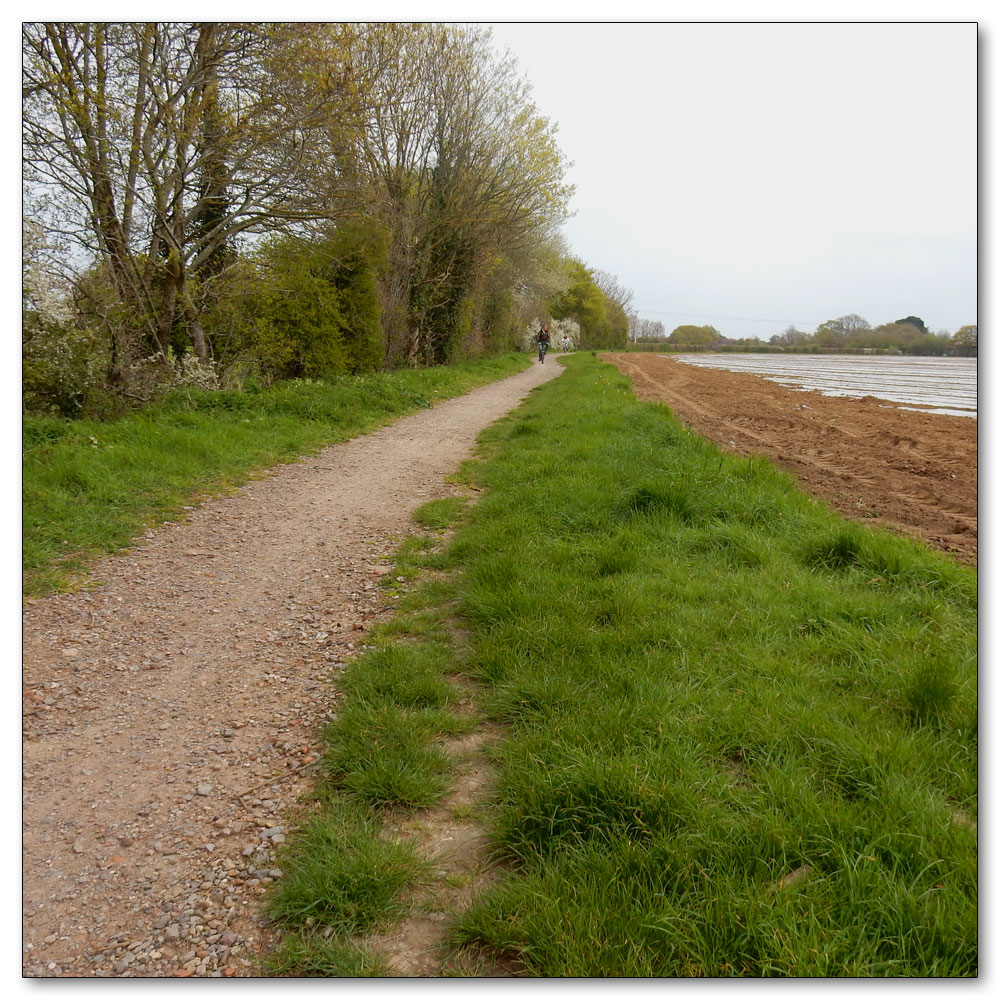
62 367
302 309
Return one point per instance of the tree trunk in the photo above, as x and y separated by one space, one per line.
413 353
168 310
195 331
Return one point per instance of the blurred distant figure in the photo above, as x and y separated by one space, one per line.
565 342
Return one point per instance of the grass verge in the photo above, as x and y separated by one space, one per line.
351 870
742 731
90 487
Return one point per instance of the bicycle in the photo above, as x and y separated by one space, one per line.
542 349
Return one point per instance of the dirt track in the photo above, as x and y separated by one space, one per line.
171 714
911 472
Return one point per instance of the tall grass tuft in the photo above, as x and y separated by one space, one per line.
350 870
931 689
340 874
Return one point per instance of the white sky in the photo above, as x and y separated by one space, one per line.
760 174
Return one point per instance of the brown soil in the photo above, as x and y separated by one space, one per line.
911 472
172 712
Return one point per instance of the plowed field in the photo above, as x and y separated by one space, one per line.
911 472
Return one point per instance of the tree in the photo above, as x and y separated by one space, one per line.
603 323
789 337
163 142
60 366
914 321
927 344
895 335
829 334
314 308
965 343
646 330
852 323
170 151
460 168
841 331
694 336
613 289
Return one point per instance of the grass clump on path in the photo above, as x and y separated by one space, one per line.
90 487
743 732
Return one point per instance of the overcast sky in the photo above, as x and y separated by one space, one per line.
751 176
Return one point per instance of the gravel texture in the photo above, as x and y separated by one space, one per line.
172 712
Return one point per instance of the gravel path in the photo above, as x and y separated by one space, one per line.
171 714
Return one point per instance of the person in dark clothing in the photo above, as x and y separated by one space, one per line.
543 343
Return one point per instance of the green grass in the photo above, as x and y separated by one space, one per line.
386 754
343 875
348 871
742 732
440 513
710 682
341 878
304 953
91 487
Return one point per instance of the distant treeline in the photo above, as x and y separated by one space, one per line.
665 347
212 203
850 334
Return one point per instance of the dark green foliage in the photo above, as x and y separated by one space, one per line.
914 321
358 255
443 308
315 310
499 322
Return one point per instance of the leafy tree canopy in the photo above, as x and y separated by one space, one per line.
914 321
696 336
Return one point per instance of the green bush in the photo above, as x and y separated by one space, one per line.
603 323
63 367
302 309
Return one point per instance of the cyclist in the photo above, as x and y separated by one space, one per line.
543 343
